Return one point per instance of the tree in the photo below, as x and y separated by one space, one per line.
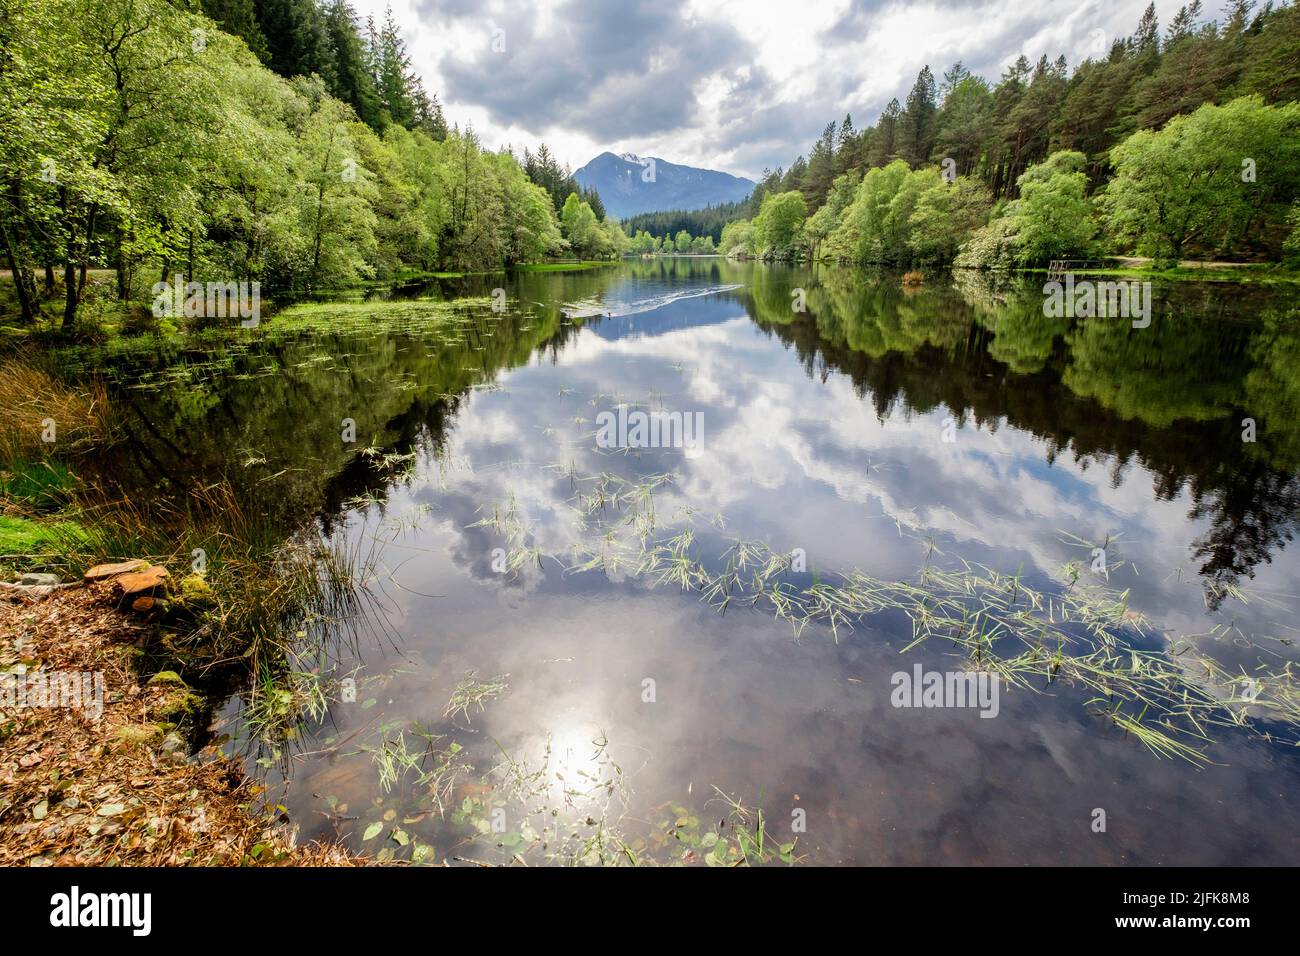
883 148
337 220
349 77
778 222
737 239
393 78
916 122
963 121
1053 217
239 18
821 169
946 215
1205 181
296 38
578 221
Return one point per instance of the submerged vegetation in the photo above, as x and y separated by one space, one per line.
1030 634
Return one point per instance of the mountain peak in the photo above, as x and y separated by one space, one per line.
629 184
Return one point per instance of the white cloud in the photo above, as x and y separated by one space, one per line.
796 70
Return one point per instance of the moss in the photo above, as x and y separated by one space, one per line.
35 536
168 677
196 593
136 735
180 706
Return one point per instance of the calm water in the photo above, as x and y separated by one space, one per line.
823 431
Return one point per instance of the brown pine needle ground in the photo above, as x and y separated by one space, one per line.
83 792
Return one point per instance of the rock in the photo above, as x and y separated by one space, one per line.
174 746
31 591
36 578
102 572
140 583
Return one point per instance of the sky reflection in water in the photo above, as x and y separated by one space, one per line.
823 432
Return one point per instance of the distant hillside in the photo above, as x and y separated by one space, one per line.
697 222
622 184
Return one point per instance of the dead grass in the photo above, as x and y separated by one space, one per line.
40 413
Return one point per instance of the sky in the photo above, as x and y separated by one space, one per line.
735 85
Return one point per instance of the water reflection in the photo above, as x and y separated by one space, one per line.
824 432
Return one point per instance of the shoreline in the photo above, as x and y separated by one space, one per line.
122 787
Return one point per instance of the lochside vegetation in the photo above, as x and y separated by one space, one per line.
1185 145
135 135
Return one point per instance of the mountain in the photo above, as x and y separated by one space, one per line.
626 187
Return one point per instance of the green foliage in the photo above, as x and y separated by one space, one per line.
995 131
698 222
737 239
990 247
776 227
137 135
544 169
1291 247
1053 217
589 237
900 215
1207 181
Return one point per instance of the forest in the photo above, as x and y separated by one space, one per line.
696 222
288 143
1173 145
137 136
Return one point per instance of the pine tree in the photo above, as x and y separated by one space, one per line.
916 124
351 79
239 17
393 78
295 37
883 148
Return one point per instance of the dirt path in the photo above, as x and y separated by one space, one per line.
1138 262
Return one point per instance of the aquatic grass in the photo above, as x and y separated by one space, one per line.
1076 629
435 768
473 692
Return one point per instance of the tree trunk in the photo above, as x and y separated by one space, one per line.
70 297
85 250
25 303
123 279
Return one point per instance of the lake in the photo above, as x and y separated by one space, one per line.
574 646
